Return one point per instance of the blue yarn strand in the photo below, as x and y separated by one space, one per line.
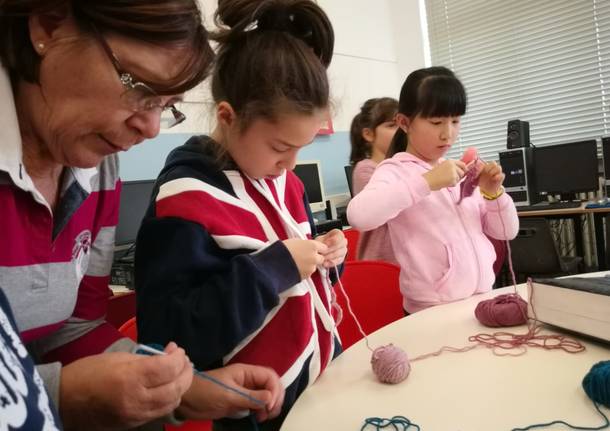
574 427
227 387
397 423
157 349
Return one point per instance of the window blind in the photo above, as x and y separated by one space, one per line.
542 61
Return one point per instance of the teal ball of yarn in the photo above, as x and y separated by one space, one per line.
597 383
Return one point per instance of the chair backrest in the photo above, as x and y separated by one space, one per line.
121 307
348 176
534 251
372 287
129 329
352 236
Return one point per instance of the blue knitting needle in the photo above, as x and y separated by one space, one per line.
147 350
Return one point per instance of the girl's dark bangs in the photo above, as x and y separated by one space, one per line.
442 96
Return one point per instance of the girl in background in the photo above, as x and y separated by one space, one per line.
371 134
225 261
438 238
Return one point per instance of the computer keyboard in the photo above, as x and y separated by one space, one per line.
121 274
550 206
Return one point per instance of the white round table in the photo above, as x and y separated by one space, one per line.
472 391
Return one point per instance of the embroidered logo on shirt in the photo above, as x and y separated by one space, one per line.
80 253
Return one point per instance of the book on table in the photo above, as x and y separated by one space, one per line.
579 304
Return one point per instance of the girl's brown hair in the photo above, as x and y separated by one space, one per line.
272 57
167 23
372 113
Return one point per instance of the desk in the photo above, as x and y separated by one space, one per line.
455 391
575 214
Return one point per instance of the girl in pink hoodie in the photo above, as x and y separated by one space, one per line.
438 233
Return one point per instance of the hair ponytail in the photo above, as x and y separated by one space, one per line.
360 147
399 143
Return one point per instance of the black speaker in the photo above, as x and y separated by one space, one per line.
517 134
518 166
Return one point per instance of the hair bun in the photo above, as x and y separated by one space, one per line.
303 19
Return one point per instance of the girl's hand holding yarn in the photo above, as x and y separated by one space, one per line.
445 174
307 254
337 247
491 179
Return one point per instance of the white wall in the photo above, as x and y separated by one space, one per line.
377 44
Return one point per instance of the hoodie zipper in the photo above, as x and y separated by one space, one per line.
459 214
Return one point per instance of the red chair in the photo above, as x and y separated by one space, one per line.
120 308
130 329
352 236
372 287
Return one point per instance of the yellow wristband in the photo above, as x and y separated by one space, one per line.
492 197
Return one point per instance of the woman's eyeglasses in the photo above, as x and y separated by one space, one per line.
139 96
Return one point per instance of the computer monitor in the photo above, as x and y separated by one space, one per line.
135 198
310 174
566 168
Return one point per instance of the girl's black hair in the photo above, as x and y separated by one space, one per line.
372 113
430 92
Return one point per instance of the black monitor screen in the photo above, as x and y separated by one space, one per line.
309 175
566 168
135 197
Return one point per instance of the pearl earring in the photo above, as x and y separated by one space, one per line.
40 46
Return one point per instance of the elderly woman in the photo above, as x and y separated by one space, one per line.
79 82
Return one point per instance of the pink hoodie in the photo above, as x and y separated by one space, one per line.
440 245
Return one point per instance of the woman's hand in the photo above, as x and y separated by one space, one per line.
121 390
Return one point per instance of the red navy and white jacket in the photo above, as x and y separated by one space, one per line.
213 274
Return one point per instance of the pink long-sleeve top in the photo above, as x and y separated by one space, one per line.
373 244
440 245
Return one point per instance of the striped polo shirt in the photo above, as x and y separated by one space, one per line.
55 266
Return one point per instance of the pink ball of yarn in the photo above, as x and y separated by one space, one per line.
503 310
390 364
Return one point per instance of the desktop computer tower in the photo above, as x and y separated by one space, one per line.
606 159
518 166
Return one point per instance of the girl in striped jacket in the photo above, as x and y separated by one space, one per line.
226 263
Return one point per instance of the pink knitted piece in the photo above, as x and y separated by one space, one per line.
470 183
390 364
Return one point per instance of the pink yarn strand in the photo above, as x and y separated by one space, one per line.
349 309
443 350
501 342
